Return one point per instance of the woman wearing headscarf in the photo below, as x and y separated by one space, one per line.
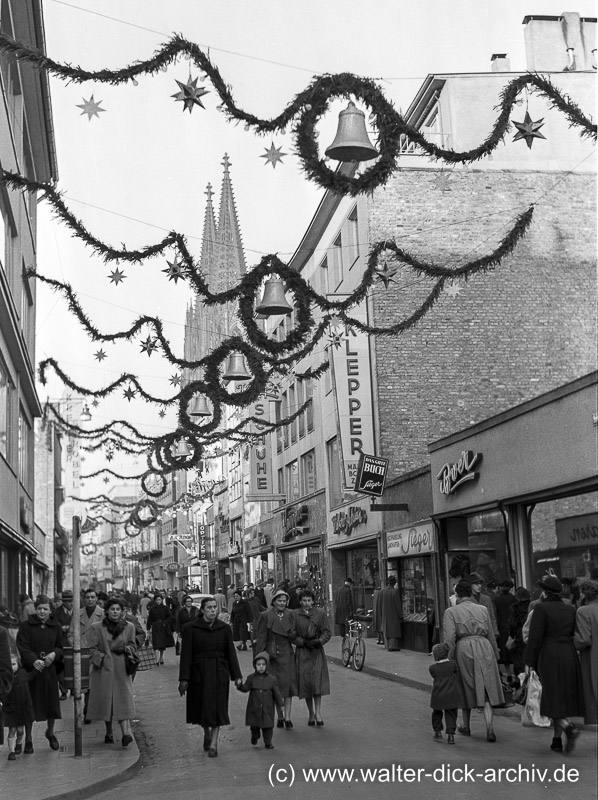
467 629
110 686
313 631
551 653
276 633
208 664
39 641
161 624
585 640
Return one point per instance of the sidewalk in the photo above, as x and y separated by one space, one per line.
59 775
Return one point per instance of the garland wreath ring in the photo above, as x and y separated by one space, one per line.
215 390
131 530
146 488
144 503
165 457
185 399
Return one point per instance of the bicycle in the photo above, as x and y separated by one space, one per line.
353 646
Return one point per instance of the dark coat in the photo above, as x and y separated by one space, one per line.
276 636
255 608
5 664
34 638
586 641
392 613
264 696
161 623
18 706
446 690
63 618
208 664
502 605
517 615
343 607
310 661
550 651
184 616
240 615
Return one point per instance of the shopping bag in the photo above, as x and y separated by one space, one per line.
530 712
147 657
520 693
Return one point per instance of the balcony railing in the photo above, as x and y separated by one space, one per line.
409 148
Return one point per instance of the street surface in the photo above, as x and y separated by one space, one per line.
370 724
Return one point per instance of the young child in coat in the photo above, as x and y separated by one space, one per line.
264 696
446 692
19 715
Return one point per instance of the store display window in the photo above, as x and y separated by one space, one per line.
477 544
364 568
417 589
304 566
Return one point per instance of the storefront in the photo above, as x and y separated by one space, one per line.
301 546
354 548
517 493
411 553
259 551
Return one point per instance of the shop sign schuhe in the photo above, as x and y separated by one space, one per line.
452 476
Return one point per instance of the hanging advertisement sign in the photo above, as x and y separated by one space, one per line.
261 477
352 389
371 475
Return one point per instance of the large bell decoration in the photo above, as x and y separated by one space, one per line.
236 369
182 449
200 407
273 299
351 142
85 414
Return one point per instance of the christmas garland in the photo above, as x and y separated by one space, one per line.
308 106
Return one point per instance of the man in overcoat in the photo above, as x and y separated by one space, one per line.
392 614
343 606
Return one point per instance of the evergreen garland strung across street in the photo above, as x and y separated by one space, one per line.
308 106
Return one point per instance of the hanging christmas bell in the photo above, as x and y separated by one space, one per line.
200 407
236 369
273 299
351 142
85 414
182 449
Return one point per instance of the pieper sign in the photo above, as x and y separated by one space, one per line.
371 475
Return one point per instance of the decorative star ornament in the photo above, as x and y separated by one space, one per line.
273 155
336 322
386 274
190 94
100 355
106 479
454 290
442 180
91 108
174 270
175 380
335 340
116 276
528 130
149 345
109 456
95 402
161 413
129 393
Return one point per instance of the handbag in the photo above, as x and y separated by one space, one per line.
131 662
147 657
530 712
520 693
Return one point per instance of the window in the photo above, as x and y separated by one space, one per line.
3 238
324 282
281 481
336 263
352 236
279 431
308 472
25 472
292 481
285 413
309 411
293 410
5 403
235 475
334 473
26 306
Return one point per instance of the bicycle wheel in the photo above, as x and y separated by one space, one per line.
359 654
346 651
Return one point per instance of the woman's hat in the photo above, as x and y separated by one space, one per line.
506 584
279 593
474 577
551 584
67 595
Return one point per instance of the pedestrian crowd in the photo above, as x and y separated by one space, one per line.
486 648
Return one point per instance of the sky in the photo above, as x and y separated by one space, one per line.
140 169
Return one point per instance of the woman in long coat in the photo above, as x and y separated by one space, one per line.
517 616
208 665
161 624
551 653
110 688
586 641
276 634
313 631
467 629
39 641
240 616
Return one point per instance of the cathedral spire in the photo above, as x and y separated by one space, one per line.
229 234
207 259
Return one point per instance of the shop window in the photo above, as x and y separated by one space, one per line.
334 473
281 481
417 589
308 472
477 544
303 567
364 568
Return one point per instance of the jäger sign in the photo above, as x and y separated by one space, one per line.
371 475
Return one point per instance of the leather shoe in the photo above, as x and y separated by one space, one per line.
108 739
53 741
311 723
212 752
12 756
451 738
556 746
490 736
269 747
280 723
437 736
28 748
18 748
126 740
288 723
465 731
571 734
320 723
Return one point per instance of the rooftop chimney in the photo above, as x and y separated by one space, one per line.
560 44
500 62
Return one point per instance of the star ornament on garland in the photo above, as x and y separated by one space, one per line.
190 94
91 108
273 155
149 345
100 355
175 380
129 393
161 413
95 403
454 290
174 270
116 276
386 274
335 340
528 130
441 181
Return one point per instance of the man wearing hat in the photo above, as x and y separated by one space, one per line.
63 614
343 606
482 599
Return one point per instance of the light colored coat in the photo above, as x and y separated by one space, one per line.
86 622
110 688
